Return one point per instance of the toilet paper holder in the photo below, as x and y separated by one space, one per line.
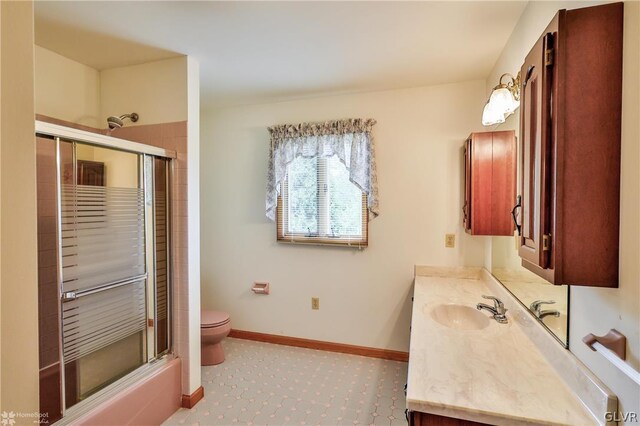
260 288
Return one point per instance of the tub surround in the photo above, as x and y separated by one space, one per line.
150 400
498 374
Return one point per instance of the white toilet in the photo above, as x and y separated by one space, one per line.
214 326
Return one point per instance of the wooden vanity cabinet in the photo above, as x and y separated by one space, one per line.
570 129
490 183
416 418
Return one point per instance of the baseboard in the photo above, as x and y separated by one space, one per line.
320 345
188 401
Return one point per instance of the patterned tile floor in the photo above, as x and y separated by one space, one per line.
266 384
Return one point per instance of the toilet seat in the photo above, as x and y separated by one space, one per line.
210 319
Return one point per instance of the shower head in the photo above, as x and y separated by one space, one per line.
116 122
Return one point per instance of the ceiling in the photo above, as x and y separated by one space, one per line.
254 52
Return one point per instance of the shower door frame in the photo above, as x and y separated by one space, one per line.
146 152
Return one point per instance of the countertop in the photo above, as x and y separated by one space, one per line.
495 375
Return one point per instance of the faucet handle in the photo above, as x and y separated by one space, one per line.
497 303
536 305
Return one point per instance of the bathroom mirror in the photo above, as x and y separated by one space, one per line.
548 303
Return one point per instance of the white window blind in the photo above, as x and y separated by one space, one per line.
319 204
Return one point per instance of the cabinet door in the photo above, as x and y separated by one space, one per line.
481 183
503 182
417 418
466 207
535 130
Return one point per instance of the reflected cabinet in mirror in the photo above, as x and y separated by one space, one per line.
491 178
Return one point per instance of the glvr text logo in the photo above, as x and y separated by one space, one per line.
618 416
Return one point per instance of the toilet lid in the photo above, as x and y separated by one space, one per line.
213 318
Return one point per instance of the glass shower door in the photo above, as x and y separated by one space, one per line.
103 267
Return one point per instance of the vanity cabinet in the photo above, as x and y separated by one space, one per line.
490 183
570 128
416 418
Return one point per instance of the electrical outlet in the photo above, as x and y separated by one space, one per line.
450 240
315 303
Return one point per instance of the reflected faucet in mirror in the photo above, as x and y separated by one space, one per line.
539 313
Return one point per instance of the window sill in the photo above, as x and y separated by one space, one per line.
324 242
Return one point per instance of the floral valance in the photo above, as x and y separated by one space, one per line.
323 128
350 140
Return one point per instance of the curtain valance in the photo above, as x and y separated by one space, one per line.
324 128
350 140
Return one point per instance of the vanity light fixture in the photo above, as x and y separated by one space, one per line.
504 100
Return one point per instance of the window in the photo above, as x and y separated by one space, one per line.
319 204
322 184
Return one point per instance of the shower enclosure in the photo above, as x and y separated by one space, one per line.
104 270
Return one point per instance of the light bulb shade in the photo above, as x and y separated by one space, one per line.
491 115
502 100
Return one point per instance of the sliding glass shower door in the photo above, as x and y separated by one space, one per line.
112 264
103 274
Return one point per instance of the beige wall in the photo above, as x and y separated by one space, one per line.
0 208
597 310
66 89
18 251
193 227
365 296
157 91
71 91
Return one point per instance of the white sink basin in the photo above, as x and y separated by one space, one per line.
460 317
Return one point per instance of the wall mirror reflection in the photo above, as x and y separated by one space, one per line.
548 303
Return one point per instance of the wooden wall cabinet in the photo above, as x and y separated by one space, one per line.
490 183
570 128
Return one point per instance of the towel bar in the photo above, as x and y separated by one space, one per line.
613 347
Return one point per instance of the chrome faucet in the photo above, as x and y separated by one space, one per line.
539 313
498 310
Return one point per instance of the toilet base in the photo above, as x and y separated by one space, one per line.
211 354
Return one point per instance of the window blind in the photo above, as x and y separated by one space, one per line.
319 204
